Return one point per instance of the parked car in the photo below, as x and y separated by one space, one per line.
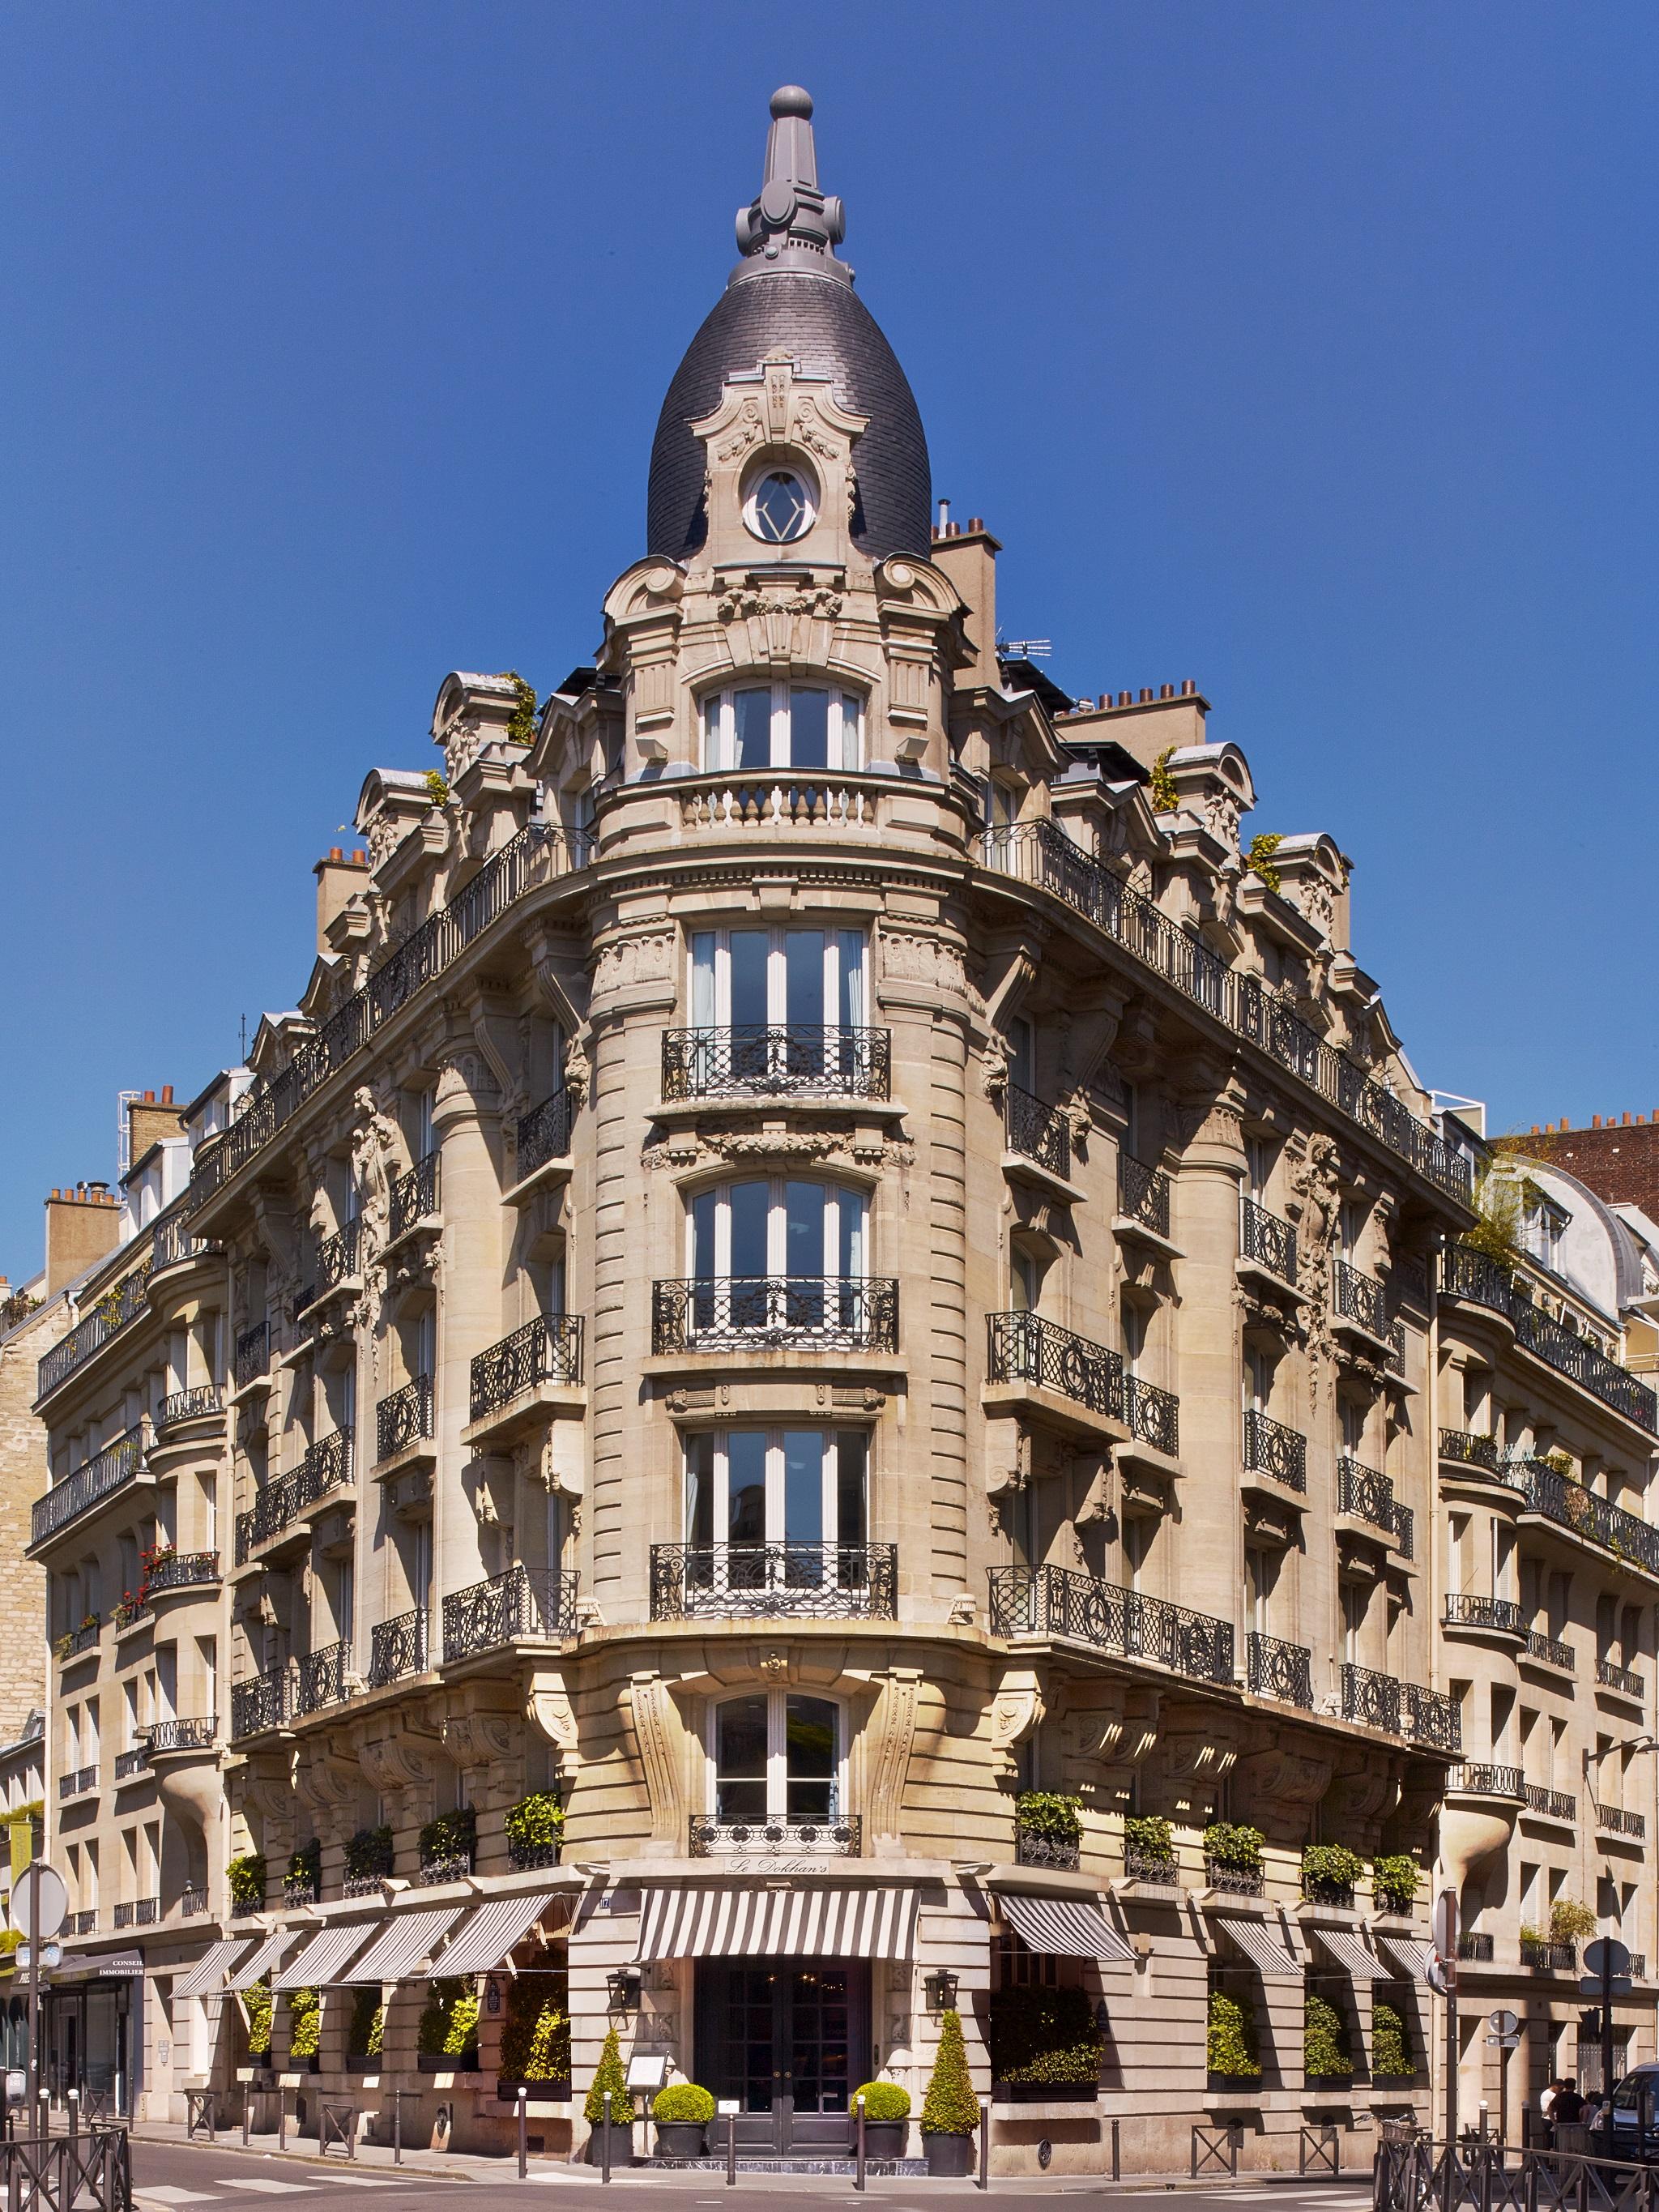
1635 2105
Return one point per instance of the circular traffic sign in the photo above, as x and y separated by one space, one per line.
1607 1955
40 1902
1502 2022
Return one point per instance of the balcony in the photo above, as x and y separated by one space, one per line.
319 1679
1226 1880
81 1923
251 1362
260 1703
326 1466
1473 1277
1279 1670
1614 1821
1266 1242
1041 854
1035 1132
77 1640
1549 1804
176 1570
543 1134
337 1258
398 1648
1058 1601
192 1903
774 1582
1272 1449
1367 1496
791 1062
525 1605
545 1353
1143 1200
1395 1362
1570 1506
775 1313
414 1197
1152 1416
1550 1650
1548 1957
1402 1709
1470 1781
1624 1680
128 1614
111 1469
1034 1848
1495 1616
174 1242
132 1762
837 1836
77 1782
1459 1448
1475 1949
404 1419
1359 1300
1024 1348
167 1737
122 1302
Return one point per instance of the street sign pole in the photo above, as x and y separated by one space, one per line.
1445 1930
34 1902
1608 1954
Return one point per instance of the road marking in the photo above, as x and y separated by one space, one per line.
166 2195
264 2188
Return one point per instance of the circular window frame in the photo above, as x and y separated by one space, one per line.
780 467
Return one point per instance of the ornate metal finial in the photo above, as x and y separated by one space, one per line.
792 225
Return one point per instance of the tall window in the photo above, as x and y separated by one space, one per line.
774 1007
777 1226
763 1486
781 725
776 1756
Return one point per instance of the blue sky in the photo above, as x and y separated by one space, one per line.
1304 350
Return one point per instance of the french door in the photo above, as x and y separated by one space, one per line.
786 2039
777 1009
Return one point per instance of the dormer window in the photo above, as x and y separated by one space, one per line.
780 507
781 725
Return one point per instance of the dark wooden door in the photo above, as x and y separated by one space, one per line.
789 2039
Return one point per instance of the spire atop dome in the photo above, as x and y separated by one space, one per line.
791 225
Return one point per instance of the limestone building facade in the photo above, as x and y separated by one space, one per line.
802 1390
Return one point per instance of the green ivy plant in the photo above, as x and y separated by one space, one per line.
536 1823
1042 1813
1391 2049
950 2107
685 2102
1230 2041
245 1874
610 2075
1038 2035
304 2023
449 2025
368 2025
882 2100
1165 799
1326 2056
521 729
1331 1866
1149 1834
370 1851
1395 1877
1232 1845
256 2010
1259 860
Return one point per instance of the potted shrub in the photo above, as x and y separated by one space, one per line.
370 1857
1326 2056
448 1846
949 2112
1329 1872
305 2030
1230 2050
245 1876
256 2011
303 1884
682 2112
1232 1857
610 2077
1048 1829
447 2040
1395 1877
367 2028
1149 1849
1391 2048
886 2118
1569 1921
1044 2043
536 2036
535 1829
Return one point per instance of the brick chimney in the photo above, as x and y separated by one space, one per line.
339 876
149 1119
82 1226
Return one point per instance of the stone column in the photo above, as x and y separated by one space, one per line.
466 1130
1204 1225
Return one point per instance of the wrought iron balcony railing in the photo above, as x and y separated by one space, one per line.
1370 1497
77 1781
174 1241
1614 1821
1395 1362
1431 1717
1025 1348
1467 1609
1478 1280
1550 1648
1359 1298
1041 853
1266 1240
83 1923
260 1703
77 1640
1036 1131
397 1647
524 1604
537 855
403 1418
183 1570
95 1479
131 1762
774 1582
1475 1947
1559 1498
1625 1679
1272 1449
546 1350
1404 1709
1476 1781
1317 1889
1464 1448
1549 1957
757 1060
1276 1669
192 1903
192 1404
413 1196
1152 1416
1553 1804
1143 1195
1059 1602
197 1735
319 1678
833 1312
252 1354
836 1836
112 1310
337 1257
1033 1848
543 1134
326 1466
1140 1865
1233 1881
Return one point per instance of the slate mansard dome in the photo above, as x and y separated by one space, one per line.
790 292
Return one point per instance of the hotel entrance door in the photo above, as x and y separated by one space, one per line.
789 2038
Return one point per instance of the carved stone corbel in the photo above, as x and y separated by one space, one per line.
549 1711
1017 1712
657 1733
893 1729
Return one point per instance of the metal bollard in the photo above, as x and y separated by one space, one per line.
45 2115
1117 2173
858 2170
731 2150
282 2119
983 2179
605 2147
247 2113
397 2127
524 2134
73 2118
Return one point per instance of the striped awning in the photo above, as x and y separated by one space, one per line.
204 1978
401 1945
316 1964
269 1953
803 1921
1264 1950
494 1930
1408 1954
1066 1928
1350 1954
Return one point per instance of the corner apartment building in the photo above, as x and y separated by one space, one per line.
826 1257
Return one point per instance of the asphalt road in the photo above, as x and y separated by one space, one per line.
168 2175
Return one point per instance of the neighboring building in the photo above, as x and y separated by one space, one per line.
1547 1560
825 1272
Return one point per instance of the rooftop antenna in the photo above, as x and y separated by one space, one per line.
244 1037
123 1132
1025 649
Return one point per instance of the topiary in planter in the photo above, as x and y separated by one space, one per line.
256 2010
536 2032
449 2025
949 2112
883 2100
1046 2037
1330 1866
368 2025
305 1868
886 2118
1149 1835
370 1854
1391 2049
1230 2047
245 1877
610 2075
682 2112
1395 1877
535 1828
1326 2056
1231 1845
451 1835
1044 1813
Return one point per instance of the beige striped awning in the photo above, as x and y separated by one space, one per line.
803 1921
404 1941
316 1964
494 1929
1411 1956
263 1956
1350 1954
204 1978
1264 1950
1066 1928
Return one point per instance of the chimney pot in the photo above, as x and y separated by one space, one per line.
335 853
1166 690
1596 1121
1124 698
1536 1131
1146 694
149 1098
360 859
1188 688
167 1094
1627 1120
976 522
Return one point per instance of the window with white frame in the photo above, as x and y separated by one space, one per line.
777 1226
776 1755
781 725
756 1487
798 979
